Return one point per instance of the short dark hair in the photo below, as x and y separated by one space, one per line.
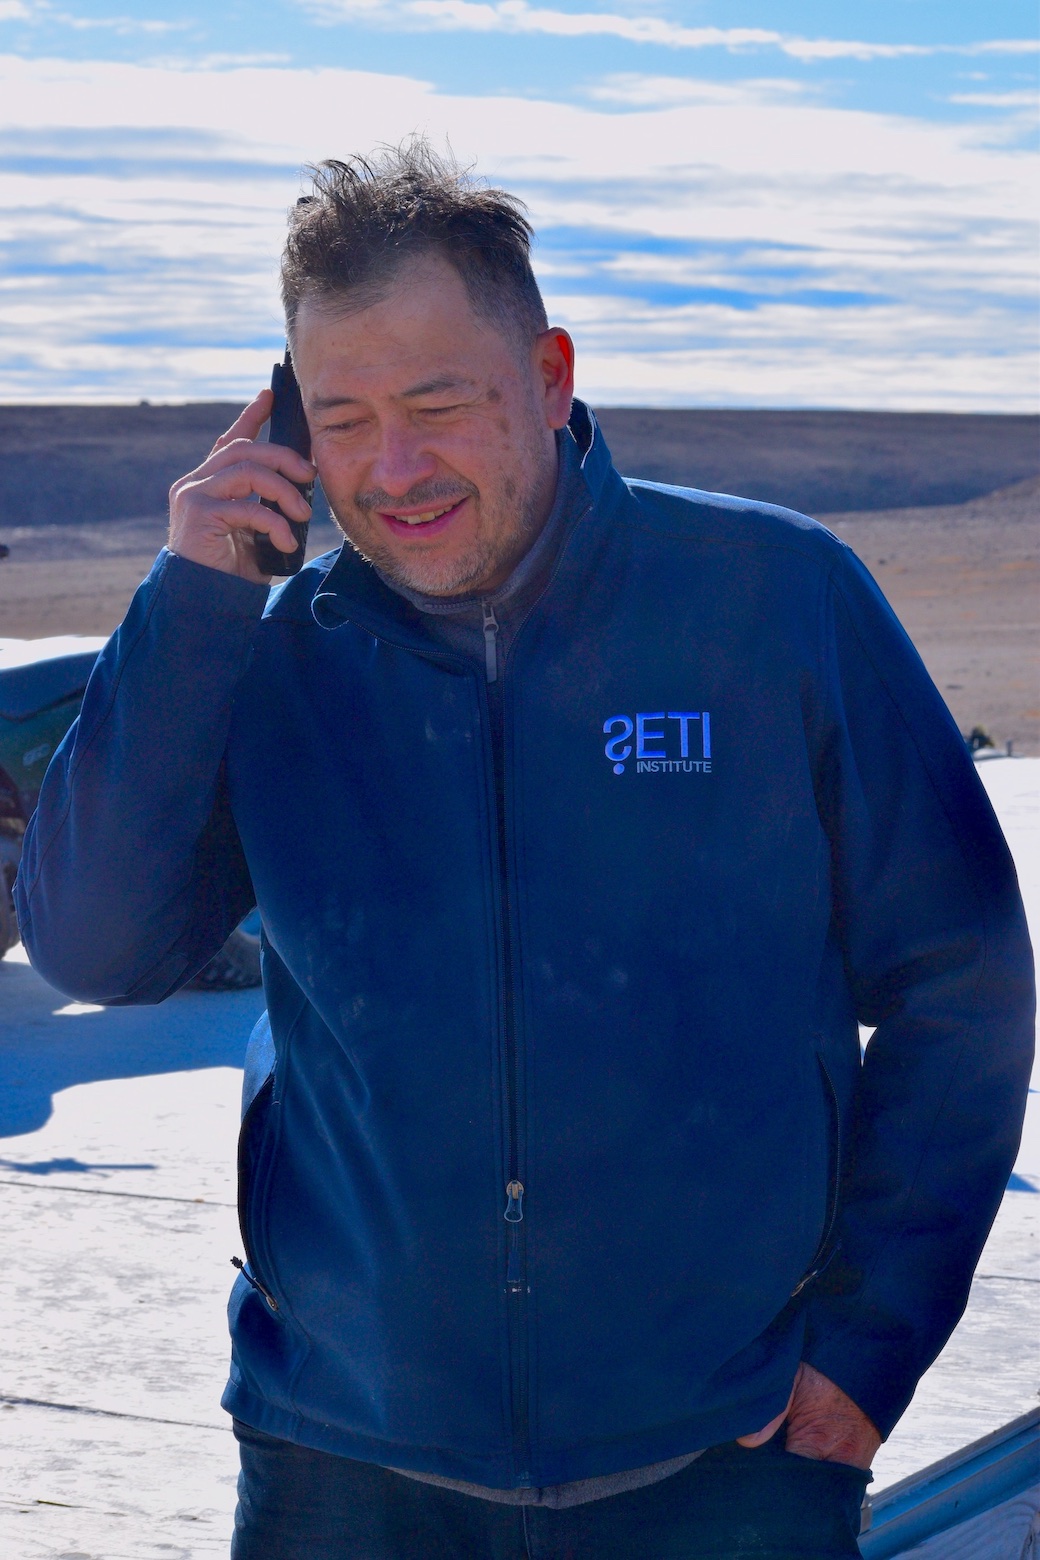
369 216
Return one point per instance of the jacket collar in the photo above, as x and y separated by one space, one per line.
352 591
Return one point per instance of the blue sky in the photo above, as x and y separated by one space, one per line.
750 203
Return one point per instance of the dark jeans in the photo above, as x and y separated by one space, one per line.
731 1504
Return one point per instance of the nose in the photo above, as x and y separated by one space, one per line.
402 460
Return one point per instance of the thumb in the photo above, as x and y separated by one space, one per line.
767 1433
760 1437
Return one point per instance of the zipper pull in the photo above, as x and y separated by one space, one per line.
490 643
818 1268
236 1262
513 1216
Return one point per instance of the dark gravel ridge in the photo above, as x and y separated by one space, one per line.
63 465
826 462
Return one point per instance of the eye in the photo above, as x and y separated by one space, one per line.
343 427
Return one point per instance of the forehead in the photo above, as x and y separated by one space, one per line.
421 334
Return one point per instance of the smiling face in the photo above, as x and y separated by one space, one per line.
433 432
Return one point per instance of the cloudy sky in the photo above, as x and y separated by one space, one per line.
738 202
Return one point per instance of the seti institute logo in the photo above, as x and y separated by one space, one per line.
660 747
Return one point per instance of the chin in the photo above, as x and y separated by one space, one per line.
436 576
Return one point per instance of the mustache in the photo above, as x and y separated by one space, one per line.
425 495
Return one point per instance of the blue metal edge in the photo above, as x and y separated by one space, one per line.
967 1483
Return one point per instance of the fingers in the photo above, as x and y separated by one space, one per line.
197 496
276 456
240 442
209 516
249 423
219 518
760 1437
239 517
247 479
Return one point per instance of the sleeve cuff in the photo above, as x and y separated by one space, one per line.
875 1373
210 588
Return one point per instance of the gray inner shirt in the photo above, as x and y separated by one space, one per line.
459 623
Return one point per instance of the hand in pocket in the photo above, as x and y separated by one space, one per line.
823 1423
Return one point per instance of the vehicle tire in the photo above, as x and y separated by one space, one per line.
237 966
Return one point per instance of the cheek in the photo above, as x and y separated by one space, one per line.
337 473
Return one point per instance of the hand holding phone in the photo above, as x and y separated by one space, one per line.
214 515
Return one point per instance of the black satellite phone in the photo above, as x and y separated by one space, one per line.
288 426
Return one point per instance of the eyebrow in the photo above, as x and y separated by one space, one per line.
326 403
435 386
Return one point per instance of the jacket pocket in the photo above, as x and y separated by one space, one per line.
825 1249
252 1165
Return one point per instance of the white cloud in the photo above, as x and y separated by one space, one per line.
517 16
120 25
852 364
849 49
768 250
45 11
637 91
1000 46
216 61
997 99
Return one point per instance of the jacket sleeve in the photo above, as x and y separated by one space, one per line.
937 958
132 875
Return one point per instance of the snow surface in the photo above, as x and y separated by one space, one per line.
24 652
117 1151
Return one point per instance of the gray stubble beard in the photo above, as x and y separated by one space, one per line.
473 565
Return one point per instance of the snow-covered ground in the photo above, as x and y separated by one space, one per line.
117 1146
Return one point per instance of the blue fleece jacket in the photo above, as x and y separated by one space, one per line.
563 1153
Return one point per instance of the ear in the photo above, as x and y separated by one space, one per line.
553 361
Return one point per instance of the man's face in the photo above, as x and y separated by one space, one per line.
432 432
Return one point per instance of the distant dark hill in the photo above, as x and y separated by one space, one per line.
824 462
64 465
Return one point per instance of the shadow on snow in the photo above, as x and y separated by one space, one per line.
48 1044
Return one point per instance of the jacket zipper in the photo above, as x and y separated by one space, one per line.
248 1267
825 1251
515 1285
254 1283
490 642
515 1282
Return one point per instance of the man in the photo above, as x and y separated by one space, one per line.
585 819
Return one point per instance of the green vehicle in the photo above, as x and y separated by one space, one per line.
39 700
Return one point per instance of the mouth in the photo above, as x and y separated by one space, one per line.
425 522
